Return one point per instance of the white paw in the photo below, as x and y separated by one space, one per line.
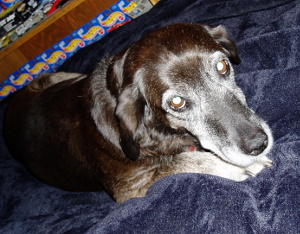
257 167
207 163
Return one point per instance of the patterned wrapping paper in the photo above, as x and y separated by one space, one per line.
50 60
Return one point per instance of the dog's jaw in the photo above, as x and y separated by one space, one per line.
231 153
208 142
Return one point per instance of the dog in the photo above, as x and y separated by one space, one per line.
168 104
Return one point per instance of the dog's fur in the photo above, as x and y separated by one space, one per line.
116 128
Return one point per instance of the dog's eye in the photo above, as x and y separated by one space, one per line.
222 67
177 102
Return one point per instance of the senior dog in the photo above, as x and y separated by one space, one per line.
168 104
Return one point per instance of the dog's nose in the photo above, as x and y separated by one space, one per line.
256 144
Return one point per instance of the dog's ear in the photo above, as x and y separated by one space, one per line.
130 107
219 34
130 112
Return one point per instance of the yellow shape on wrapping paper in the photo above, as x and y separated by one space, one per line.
112 19
55 57
92 33
7 90
129 8
74 45
38 68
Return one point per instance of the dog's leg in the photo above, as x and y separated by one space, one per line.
207 163
140 179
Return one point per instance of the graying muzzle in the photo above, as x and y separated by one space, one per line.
240 126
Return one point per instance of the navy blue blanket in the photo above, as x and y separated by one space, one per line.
267 34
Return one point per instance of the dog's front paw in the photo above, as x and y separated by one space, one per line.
242 173
257 167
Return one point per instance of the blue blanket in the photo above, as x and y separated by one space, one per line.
267 34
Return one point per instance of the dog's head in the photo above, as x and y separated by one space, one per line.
176 90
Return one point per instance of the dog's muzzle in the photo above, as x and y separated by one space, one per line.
255 142
237 136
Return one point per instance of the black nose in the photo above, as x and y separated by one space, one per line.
255 143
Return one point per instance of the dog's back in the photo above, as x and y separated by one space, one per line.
46 108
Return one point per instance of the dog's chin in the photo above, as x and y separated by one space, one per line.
233 154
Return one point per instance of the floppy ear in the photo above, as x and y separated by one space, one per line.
130 106
130 112
219 34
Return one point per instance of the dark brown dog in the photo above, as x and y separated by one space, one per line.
168 104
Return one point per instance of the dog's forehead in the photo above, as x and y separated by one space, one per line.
185 74
172 53
180 37
191 66
175 47
176 39
173 39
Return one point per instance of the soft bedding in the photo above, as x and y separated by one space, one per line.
267 34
